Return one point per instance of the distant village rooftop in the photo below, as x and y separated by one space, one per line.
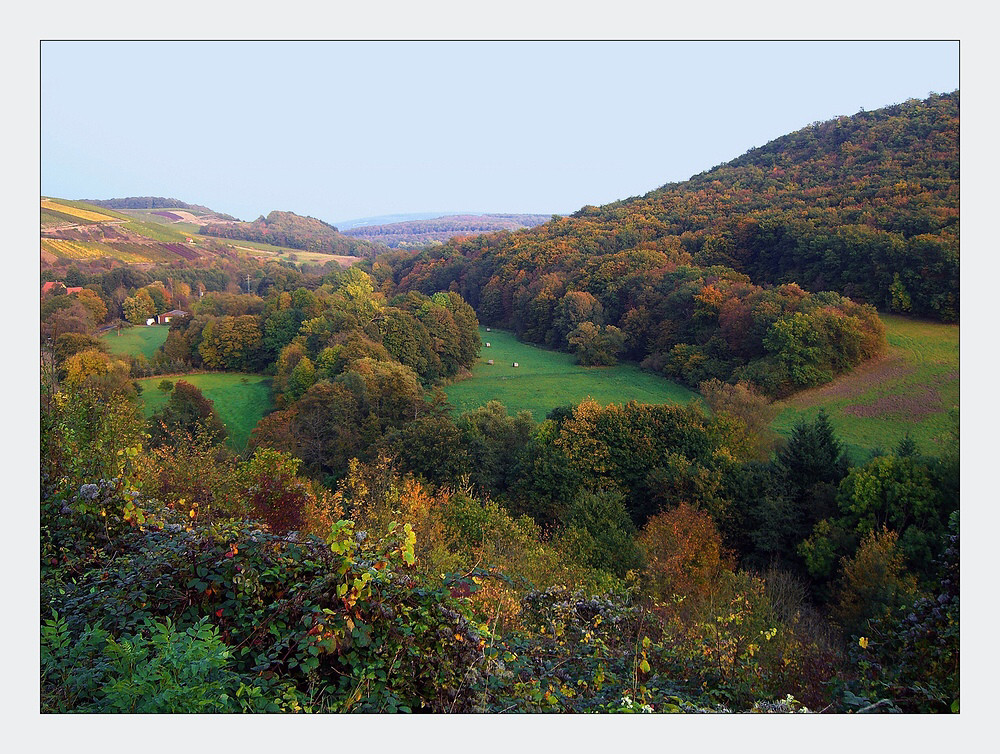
55 284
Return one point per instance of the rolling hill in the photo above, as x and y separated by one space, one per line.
85 233
866 205
153 230
293 231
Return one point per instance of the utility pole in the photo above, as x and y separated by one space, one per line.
51 343
248 282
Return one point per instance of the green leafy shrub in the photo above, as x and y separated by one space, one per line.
162 669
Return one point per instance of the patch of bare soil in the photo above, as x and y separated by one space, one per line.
187 217
913 405
858 381
345 261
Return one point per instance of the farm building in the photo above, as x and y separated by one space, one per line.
515 364
487 345
490 362
165 318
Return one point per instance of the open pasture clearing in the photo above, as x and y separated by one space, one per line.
296 256
136 340
910 389
546 379
315 257
240 399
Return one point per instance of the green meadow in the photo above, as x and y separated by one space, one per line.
240 399
545 379
137 339
909 390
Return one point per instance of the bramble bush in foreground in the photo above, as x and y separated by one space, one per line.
179 614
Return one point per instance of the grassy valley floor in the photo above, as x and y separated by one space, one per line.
545 379
137 339
240 399
909 390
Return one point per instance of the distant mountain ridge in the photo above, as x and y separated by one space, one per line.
345 225
419 232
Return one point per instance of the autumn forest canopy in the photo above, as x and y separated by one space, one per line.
373 549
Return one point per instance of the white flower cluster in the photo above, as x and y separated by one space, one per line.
788 704
627 703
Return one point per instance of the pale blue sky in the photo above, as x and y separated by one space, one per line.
352 129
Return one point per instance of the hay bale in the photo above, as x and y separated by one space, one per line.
515 364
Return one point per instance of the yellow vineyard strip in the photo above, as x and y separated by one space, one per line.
71 249
87 250
81 213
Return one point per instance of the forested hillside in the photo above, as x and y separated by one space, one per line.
422 232
293 231
866 205
711 278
